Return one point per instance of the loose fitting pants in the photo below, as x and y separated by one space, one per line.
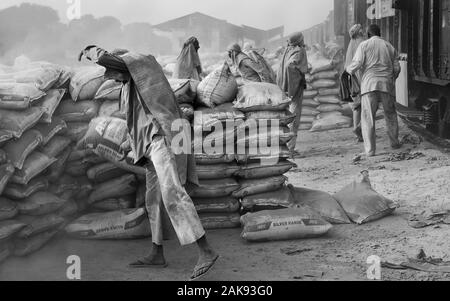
296 108
370 104
165 192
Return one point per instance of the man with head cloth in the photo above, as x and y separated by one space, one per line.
188 64
291 79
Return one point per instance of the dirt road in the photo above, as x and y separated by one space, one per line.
326 165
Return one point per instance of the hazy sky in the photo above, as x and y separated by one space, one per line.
264 14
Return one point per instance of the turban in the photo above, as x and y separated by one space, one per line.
355 31
296 39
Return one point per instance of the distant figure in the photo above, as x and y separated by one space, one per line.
357 37
291 79
378 61
188 64
248 69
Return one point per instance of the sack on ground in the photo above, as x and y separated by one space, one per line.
20 192
268 157
57 169
215 188
326 108
284 224
207 118
38 225
260 171
211 172
56 146
104 172
323 84
329 99
85 83
9 228
330 74
283 117
17 151
278 199
6 173
309 94
261 97
109 90
331 123
35 164
81 111
49 103
18 122
217 205
362 203
20 94
305 126
321 202
207 159
216 221
6 250
75 130
8 209
122 224
44 78
48 131
310 103
40 203
115 188
309 111
326 92
217 88
25 247
258 186
114 204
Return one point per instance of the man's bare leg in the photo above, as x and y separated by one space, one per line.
154 259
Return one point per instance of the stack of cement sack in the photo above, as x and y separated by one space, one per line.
322 106
32 148
215 127
261 147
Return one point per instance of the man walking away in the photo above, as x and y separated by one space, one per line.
151 109
378 61
188 62
357 37
291 79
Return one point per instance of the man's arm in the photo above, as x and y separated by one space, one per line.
396 65
357 62
104 58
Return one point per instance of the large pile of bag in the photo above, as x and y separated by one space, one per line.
322 105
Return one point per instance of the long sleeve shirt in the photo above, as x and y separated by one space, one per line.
378 62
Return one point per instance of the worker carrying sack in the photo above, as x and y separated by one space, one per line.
122 224
362 203
284 224
217 88
261 97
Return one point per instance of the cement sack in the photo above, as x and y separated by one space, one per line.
20 192
6 172
277 199
217 205
25 247
40 203
4 137
269 158
330 74
75 131
109 108
185 90
105 172
110 90
330 115
217 221
56 146
326 92
6 250
321 65
65 183
86 82
70 209
321 202
260 171
17 151
326 108
35 164
215 188
305 127
330 99
285 224
20 94
308 119
323 84
309 111
258 186
114 204
206 159
18 122
310 103
261 97
310 94
331 123
214 172
115 188
48 131
283 117
38 225
77 155
266 137
49 104
105 136
81 111
9 228
57 169
187 111
77 168
122 224
207 118
65 72
362 203
42 78
86 187
8 209
217 88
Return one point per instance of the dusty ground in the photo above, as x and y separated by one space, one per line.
342 255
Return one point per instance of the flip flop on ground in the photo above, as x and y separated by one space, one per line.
202 269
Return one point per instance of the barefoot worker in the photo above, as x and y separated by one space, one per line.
151 109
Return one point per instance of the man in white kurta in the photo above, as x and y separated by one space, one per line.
378 62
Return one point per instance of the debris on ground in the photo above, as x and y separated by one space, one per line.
429 218
295 251
421 263
403 156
